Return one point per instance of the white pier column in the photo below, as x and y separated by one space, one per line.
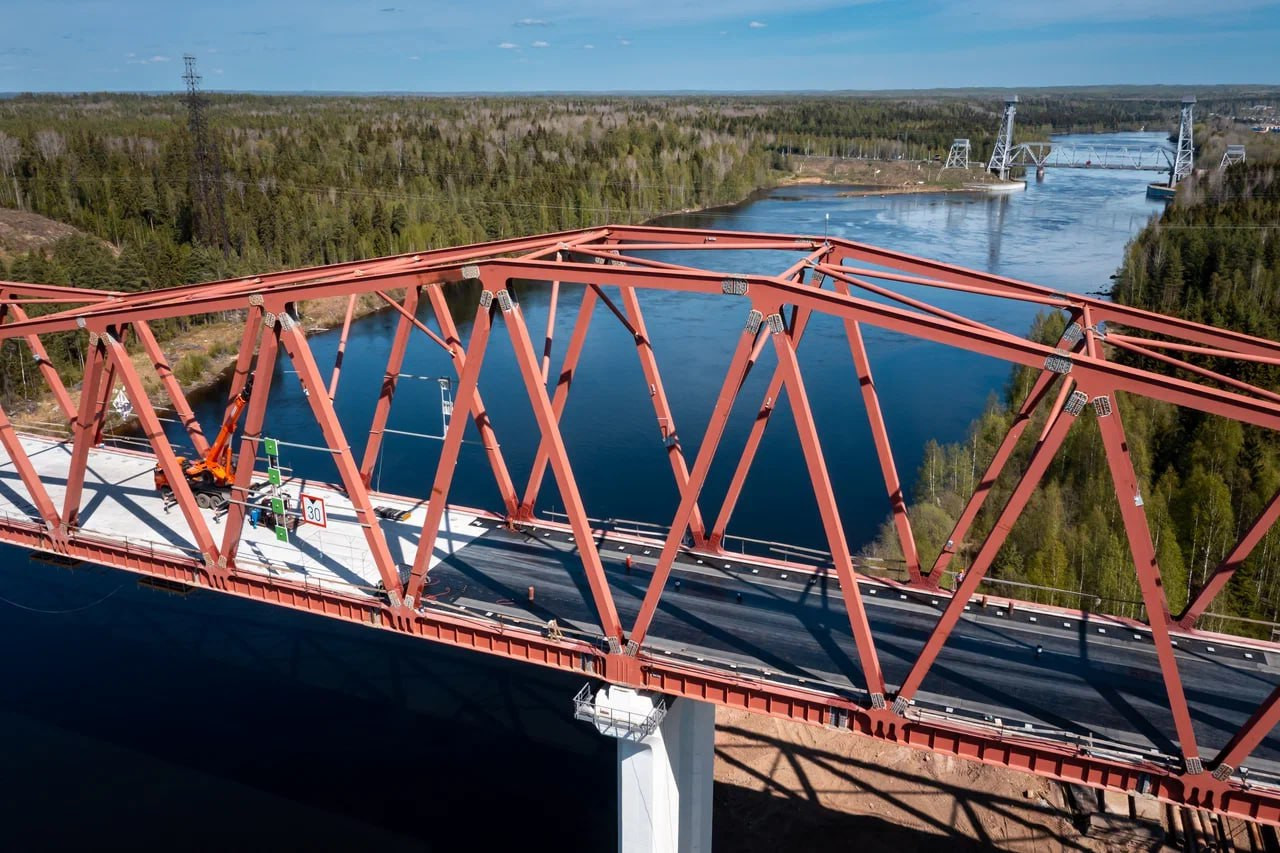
666 755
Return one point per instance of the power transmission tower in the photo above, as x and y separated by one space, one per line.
1186 155
208 201
1002 154
958 156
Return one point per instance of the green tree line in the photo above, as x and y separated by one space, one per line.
1213 257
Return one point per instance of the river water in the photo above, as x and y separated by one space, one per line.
190 721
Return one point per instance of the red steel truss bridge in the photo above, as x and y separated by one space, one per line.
1150 707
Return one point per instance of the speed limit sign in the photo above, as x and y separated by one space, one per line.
313 510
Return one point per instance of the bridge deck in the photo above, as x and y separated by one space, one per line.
1094 676
120 501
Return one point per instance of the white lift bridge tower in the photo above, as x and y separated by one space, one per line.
1002 154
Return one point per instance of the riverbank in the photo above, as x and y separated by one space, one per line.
887 177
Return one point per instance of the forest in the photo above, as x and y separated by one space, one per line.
1212 257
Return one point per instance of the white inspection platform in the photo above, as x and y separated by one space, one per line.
120 502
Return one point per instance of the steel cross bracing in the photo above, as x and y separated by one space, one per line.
1090 156
859 286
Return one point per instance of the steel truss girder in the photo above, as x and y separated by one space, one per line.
559 258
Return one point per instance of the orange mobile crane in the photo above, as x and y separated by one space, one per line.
210 478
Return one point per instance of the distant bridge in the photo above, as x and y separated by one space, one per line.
1039 155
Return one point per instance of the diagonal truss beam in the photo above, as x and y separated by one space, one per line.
390 379
171 386
294 343
744 355
827 509
264 369
50 373
1142 549
1227 568
1061 421
479 414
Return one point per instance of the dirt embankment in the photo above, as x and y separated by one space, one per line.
886 176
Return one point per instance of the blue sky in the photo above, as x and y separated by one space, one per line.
530 45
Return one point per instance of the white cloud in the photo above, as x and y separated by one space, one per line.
217 71
532 22
757 25
158 59
541 44
506 45
415 58
624 42
588 47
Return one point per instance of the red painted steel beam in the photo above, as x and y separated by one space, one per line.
884 450
342 345
1227 568
30 478
50 373
1062 421
479 414
1246 740
799 321
744 355
1210 352
264 369
560 398
1021 420
171 386
390 379
661 406
829 512
166 459
294 343
84 429
566 482
1126 344
1129 495
437 498
408 315
551 328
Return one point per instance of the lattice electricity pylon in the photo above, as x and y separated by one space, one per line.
958 156
1234 154
1002 153
1186 155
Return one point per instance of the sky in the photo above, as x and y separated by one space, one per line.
633 45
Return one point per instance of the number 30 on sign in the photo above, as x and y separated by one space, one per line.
313 510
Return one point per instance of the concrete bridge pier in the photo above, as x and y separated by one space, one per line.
1039 173
666 755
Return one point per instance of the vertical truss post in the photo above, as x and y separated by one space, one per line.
480 415
884 450
104 399
390 379
799 320
342 346
561 396
1129 495
1043 454
165 457
294 342
47 370
264 371
661 406
1039 390
1227 568
35 488
822 490
744 354
84 430
171 386
437 500
562 470
1246 740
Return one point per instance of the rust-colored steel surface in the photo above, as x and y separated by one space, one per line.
857 285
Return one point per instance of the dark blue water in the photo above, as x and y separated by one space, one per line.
149 719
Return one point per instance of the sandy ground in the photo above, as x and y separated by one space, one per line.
823 790
897 176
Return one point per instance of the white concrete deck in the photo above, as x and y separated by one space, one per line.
120 502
